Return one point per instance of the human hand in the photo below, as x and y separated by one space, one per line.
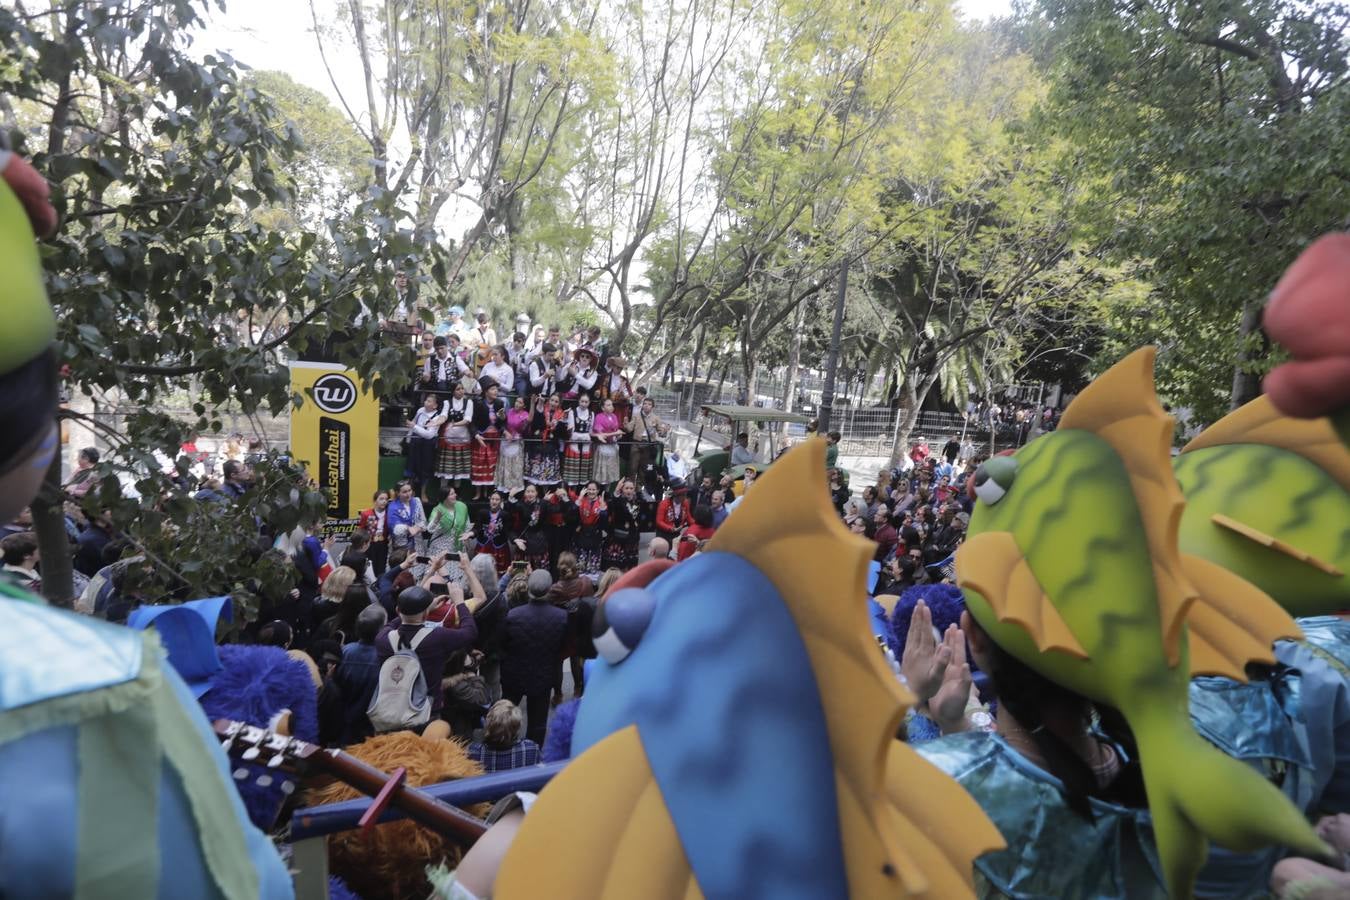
520 545
924 661
948 706
479 439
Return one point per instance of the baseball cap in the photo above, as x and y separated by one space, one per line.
414 600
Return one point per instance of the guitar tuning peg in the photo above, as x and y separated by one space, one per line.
276 761
250 754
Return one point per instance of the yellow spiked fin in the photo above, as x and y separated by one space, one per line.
939 823
787 528
613 842
1233 623
1259 422
1257 536
1121 407
992 564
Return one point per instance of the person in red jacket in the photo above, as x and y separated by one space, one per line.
701 529
672 514
374 523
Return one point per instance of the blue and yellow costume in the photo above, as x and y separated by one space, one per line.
745 746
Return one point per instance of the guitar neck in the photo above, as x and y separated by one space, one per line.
422 808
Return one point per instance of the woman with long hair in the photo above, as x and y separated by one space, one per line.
494 531
541 454
511 459
453 460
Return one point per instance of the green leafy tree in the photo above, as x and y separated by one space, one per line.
164 281
1218 131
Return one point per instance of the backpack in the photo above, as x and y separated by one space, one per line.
400 700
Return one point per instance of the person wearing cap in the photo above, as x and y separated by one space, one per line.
415 607
457 326
614 385
532 645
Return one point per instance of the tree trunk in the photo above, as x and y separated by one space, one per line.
58 582
914 396
794 362
1247 385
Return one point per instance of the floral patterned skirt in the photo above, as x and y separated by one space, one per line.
511 466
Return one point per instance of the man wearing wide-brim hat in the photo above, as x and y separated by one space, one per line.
583 372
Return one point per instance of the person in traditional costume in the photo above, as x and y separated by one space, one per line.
489 416
543 371
423 430
542 465
581 373
576 464
588 542
511 459
560 516
405 517
615 386
528 527
453 460
443 368
448 528
493 530
622 531
607 432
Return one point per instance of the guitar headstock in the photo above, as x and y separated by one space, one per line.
264 747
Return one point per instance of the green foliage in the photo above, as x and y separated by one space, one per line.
1218 132
161 276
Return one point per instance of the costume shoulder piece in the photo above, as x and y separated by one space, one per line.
740 730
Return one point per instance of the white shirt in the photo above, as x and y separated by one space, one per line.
503 374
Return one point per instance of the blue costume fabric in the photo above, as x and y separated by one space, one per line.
740 795
1053 852
88 710
1292 724
254 684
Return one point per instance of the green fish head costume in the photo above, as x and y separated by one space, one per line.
1072 567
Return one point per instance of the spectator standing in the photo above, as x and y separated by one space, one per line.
237 478
358 673
374 522
440 642
718 507
502 747
357 558
951 450
570 593
532 644
832 449
89 545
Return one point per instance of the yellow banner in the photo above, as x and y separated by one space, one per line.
335 434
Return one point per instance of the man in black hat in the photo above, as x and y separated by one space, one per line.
454 635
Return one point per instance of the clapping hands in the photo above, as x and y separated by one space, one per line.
936 670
